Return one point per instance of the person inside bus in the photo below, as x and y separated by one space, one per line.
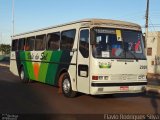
26 47
94 50
51 45
41 44
137 46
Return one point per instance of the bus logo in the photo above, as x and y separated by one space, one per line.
105 65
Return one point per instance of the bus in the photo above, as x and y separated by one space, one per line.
91 56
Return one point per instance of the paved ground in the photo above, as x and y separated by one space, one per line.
37 98
4 63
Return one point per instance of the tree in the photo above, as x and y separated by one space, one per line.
5 48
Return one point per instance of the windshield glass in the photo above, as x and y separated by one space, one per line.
118 44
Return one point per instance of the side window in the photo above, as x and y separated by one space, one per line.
14 45
67 39
21 44
53 41
29 46
40 42
84 43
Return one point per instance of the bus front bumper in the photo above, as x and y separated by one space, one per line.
112 88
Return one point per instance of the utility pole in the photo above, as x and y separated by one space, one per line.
12 17
146 25
1 38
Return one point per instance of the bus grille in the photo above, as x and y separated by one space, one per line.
128 77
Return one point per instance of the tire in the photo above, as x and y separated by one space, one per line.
67 87
23 76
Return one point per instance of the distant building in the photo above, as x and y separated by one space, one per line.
153 52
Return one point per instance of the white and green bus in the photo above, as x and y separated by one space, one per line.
92 56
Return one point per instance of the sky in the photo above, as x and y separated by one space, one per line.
35 14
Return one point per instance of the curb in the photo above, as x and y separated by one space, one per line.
4 65
153 77
152 89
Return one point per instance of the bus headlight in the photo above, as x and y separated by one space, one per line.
100 77
105 77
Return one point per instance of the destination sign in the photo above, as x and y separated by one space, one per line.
106 31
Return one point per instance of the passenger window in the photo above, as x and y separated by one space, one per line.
67 40
53 41
29 46
84 43
14 45
40 42
21 44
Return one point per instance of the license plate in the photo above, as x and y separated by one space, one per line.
124 88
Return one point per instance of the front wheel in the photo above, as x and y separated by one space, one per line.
67 87
23 76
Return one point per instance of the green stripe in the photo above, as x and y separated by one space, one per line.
52 69
44 67
47 71
29 67
22 57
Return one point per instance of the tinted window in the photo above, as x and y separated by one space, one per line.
21 44
14 45
40 42
53 41
84 43
67 39
30 44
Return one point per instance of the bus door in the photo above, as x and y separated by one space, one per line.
83 62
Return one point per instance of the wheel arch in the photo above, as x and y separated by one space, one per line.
20 67
60 80
25 69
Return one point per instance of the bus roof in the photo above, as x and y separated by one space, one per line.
94 22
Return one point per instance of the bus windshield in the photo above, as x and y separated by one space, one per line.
118 44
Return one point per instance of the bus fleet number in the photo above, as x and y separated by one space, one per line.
143 67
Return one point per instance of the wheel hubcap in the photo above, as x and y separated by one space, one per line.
66 86
22 75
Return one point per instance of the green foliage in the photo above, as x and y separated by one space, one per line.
5 48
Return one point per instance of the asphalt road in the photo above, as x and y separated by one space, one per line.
37 98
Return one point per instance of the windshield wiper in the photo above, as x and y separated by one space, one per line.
133 55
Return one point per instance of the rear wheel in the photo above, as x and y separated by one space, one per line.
66 86
23 76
